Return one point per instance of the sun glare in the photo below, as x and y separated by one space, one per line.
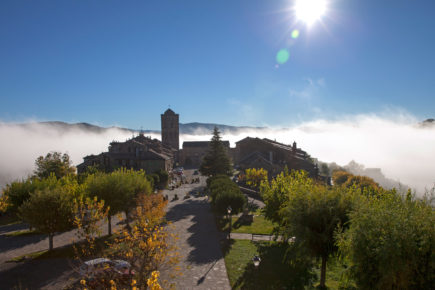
309 11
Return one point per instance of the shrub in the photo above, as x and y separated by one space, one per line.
236 200
224 193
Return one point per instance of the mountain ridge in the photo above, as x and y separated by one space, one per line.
185 128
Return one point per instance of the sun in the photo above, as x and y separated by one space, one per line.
309 11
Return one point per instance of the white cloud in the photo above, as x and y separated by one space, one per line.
391 141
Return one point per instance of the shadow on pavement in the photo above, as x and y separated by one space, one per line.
13 227
36 274
10 243
202 233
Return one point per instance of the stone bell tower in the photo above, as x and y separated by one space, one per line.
170 129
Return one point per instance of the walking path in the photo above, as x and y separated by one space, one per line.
202 263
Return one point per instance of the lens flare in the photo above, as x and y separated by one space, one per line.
310 11
282 56
295 34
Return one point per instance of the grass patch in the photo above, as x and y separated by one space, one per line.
282 266
335 274
23 233
258 225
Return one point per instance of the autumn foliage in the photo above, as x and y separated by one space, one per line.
254 176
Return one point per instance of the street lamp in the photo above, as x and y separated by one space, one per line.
229 209
256 261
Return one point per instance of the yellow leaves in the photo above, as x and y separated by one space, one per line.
112 285
4 204
83 282
152 282
255 176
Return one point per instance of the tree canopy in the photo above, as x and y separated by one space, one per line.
49 211
216 161
118 189
53 162
224 193
255 176
306 210
391 243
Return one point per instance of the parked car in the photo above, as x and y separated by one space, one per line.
106 269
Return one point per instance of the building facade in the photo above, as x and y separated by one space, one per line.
170 129
272 156
193 152
138 153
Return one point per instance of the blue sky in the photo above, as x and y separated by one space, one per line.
123 62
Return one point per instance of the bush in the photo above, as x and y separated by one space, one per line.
236 200
163 178
224 193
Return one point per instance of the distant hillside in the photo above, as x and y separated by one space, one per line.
428 123
188 128
207 128
63 127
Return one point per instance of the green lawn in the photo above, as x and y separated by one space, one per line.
259 225
273 273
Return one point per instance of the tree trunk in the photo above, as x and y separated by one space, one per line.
127 221
50 242
323 273
109 224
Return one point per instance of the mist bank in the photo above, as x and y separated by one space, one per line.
399 145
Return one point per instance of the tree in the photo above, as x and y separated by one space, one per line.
278 192
216 161
308 211
87 215
105 188
163 178
366 184
340 177
54 162
118 189
148 246
234 198
391 243
17 192
224 193
254 176
49 211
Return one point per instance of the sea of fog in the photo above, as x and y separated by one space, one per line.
398 145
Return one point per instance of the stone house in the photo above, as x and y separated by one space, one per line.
138 153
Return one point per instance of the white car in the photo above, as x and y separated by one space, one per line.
103 267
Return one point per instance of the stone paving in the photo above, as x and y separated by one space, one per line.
202 263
